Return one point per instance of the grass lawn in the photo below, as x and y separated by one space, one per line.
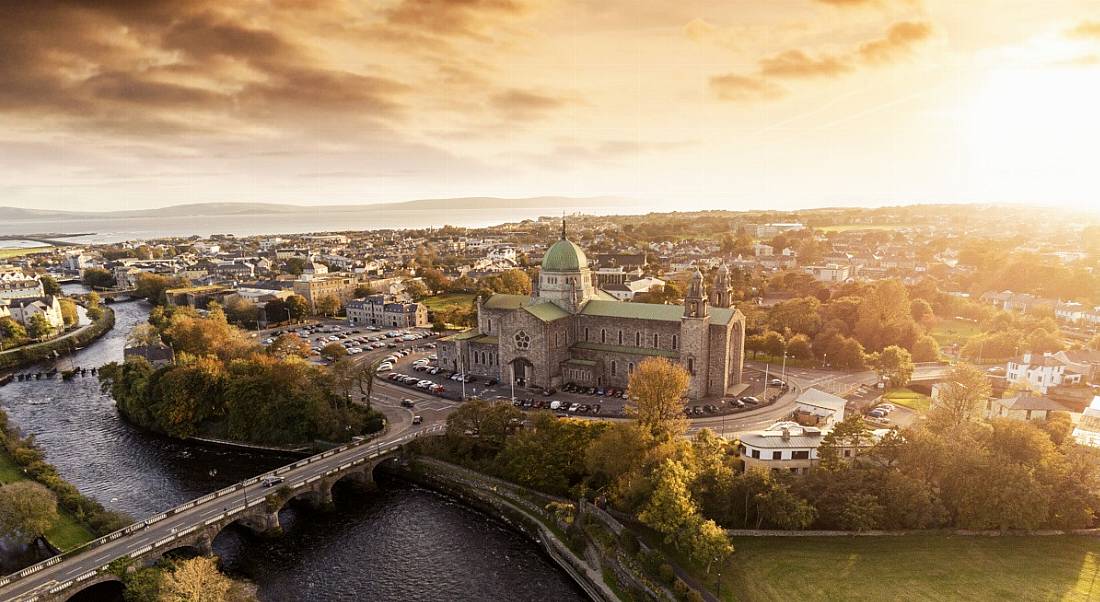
920 567
950 330
908 398
853 227
20 251
448 301
66 533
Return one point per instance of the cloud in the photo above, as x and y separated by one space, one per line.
468 18
524 104
698 29
1087 29
898 43
797 64
737 88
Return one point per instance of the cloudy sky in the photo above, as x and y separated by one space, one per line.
692 103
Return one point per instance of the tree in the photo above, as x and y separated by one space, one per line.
333 351
774 343
799 347
416 289
670 508
152 286
98 278
435 279
242 312
657 388
298 306
68 312
289 344
295 266
709 543
926 349
143 335
93 308
1040 341
961 397
896 364
49 285
10 330
38 326
328 305
754 343
27 510
797 316
921 311
196 580
850 433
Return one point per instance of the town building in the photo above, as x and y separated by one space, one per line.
16 284
1087 430
1024 406
24 309
829 273
818 408
569 330
1041 372
387 311
339 286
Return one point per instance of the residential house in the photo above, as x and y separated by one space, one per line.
1024 406
819 409
23 309
1041 373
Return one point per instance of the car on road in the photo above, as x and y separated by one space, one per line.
749 399
406 403
271 481
418 419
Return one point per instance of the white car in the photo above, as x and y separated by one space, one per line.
573 407
424 384
384 368
554 405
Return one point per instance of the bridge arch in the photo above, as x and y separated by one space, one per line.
104 587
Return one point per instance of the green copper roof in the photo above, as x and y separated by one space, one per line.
564 256
546 311
649 311
500 301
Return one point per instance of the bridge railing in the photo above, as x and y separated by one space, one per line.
144 524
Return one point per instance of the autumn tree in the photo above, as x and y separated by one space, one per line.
27 510
333 351
961 398
657 388
926 349
195 580
896 364
288 344
38 327
416 289
98 278
327 305
670 508
68 312
49 285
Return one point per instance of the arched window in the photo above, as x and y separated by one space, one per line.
691 365
614 367
675 342
620 338
630 368
603 335
656 340
523 341
637 339
586 334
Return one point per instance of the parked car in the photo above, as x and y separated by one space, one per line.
554 405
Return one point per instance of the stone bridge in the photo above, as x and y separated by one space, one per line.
194 525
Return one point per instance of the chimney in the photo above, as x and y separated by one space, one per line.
786 434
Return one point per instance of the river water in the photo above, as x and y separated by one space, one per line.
399 543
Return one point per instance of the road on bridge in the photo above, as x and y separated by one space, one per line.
46 580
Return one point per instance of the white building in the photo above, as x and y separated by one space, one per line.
23 310
832 272
16 284
818 408
1087 431
1040 373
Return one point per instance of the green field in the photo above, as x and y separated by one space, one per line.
448 301
855 227
66 533
908 398
950 330
918 567
20 251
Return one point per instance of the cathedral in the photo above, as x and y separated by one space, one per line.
568 330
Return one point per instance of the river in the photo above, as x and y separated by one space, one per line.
399 543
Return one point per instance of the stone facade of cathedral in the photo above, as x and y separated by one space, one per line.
568 330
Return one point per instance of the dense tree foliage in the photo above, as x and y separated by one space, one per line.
98 278
27 510
224 384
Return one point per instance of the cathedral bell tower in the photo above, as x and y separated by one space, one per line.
722 296
695 301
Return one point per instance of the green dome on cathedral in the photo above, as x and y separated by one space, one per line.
564 256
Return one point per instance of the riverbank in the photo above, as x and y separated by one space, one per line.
523 515
27 355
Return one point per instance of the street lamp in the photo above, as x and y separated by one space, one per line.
288 318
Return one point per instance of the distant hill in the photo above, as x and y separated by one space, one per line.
219 209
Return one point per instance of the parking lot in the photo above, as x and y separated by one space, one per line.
356 340
570 400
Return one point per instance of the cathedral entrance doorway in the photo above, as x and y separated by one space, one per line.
523 371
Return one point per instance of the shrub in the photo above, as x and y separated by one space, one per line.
666 574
